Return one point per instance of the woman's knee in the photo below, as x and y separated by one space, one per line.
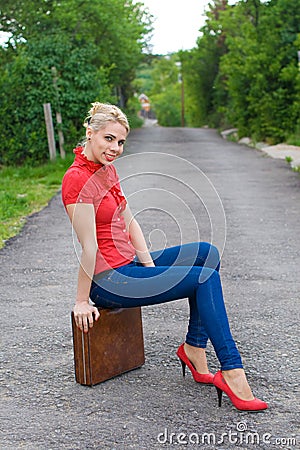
210 275
212 259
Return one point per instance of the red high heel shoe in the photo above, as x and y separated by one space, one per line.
242 405
205 378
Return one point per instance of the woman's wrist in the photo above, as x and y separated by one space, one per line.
82 301
149 264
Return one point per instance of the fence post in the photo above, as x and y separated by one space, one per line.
58 114
50 131
60 135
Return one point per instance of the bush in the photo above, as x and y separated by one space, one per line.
167 106
28 82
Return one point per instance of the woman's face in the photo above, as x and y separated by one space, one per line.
107 144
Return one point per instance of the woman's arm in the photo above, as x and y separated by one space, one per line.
82 217
137 239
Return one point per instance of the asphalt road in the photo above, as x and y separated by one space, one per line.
42 407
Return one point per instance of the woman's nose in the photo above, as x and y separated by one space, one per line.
114 146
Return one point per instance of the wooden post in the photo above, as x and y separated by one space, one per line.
50 131
182 102
60 135
180 80
58 115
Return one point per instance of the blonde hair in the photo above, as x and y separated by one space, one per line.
102 113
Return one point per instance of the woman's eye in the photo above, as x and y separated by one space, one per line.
108 138
121 143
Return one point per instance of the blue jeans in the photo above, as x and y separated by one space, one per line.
190 270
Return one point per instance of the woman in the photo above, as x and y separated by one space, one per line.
117 270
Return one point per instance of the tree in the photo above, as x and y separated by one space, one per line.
27 83
118 28
201 70
244 71
165 94
95 48
260 68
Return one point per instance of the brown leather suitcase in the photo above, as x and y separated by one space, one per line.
114 345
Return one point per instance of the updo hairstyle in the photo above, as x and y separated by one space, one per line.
102 113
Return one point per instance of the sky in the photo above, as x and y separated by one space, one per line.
177 23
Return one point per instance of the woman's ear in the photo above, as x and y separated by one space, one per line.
88 133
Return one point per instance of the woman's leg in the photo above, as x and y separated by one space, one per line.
132 285
200 254
235 377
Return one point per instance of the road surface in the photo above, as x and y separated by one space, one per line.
42 408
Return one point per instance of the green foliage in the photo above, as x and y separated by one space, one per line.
164 73
294 139
28 83
244 71
159 79
167 106
144 82
94 47
260 71
132 112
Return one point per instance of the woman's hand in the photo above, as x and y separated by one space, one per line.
84 315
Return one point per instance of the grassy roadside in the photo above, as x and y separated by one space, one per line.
25 190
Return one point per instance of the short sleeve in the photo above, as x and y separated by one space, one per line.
77 188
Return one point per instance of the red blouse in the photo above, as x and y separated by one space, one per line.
89 182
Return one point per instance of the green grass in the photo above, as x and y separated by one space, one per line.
294 140
25 190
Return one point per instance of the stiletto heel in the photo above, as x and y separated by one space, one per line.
183 367
242 405
204 378
220 392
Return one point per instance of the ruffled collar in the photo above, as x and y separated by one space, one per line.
82 160
107 180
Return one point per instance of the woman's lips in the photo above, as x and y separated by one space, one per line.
108 157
